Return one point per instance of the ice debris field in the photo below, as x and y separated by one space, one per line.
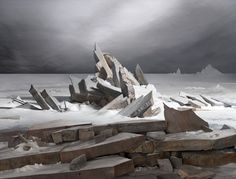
167 88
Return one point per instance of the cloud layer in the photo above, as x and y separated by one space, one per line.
57 36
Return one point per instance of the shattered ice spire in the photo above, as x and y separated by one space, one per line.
101 63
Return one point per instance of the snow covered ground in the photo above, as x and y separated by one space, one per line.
221 86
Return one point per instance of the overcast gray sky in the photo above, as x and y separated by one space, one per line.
58 36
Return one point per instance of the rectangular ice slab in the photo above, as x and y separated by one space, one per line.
99 57
10 159
141 126
209 158
138 107
104 167
108 89
51 101
38 98
140 76
134 126
117 103
45 129
115 144
196 141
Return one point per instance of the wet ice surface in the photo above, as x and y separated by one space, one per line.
221 86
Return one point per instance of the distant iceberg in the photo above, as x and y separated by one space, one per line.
209 70
178 72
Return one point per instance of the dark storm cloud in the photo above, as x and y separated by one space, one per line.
57 36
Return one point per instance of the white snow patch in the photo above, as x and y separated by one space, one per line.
194 132
29 168
33 147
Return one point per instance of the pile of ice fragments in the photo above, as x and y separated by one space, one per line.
181 146
112 87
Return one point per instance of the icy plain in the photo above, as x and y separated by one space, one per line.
217 85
